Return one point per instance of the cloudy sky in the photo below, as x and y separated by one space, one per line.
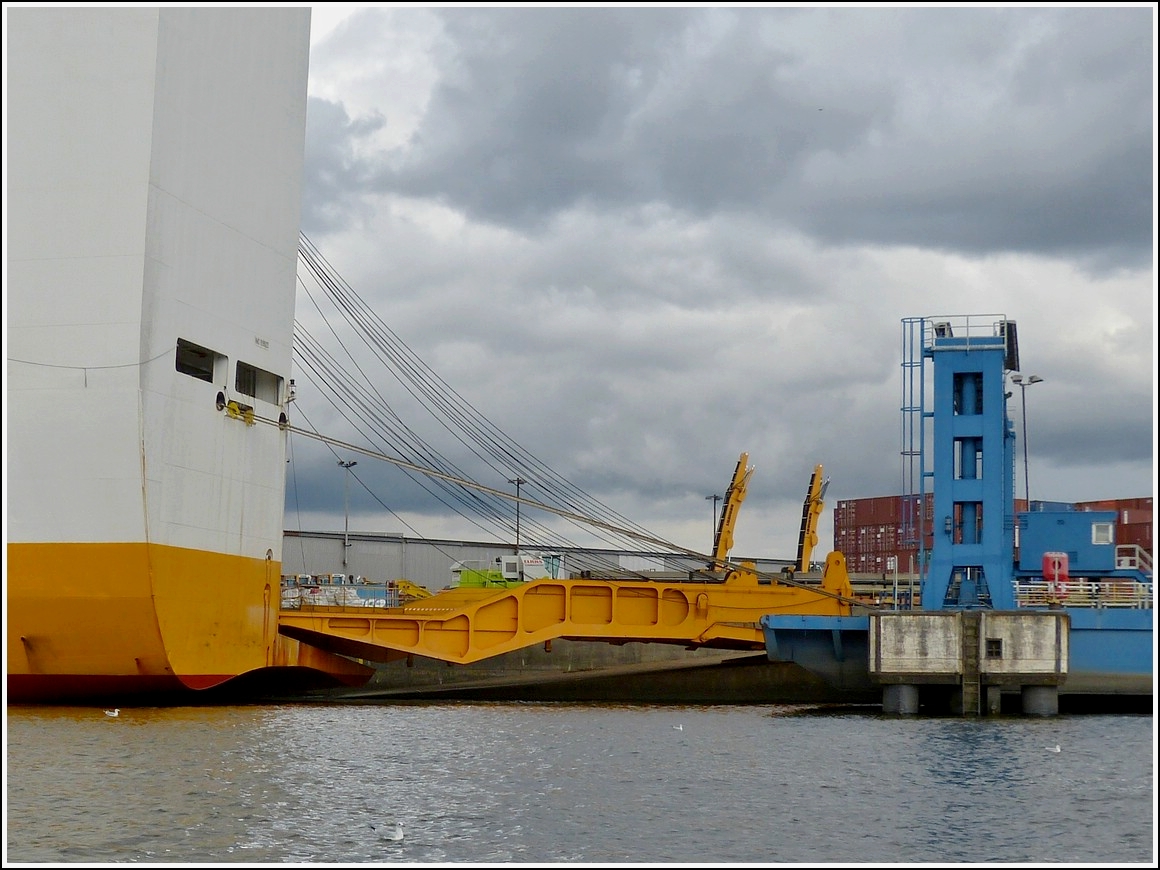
641 241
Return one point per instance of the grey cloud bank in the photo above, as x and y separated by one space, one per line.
641 241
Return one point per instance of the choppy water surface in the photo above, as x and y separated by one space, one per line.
554 783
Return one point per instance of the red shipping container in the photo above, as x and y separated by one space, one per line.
1103 505
1134 504
887 511
863 512
1132 516
1139 534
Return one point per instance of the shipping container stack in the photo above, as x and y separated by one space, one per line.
878 535
872 532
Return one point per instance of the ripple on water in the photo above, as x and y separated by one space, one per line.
555 783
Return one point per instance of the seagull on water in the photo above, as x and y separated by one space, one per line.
679 727
1055 748
396 835
114 713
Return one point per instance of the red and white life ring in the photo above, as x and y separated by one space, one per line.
1055 573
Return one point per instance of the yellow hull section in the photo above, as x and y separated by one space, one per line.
94 619
468 625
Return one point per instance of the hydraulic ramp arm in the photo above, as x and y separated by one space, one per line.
734 496
469 625
811 512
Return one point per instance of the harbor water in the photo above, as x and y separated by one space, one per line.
537 784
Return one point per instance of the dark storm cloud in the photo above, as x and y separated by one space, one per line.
975 130
531 114
643 241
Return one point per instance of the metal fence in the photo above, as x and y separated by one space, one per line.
1083 593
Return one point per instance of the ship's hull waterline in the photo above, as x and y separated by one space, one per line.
120 620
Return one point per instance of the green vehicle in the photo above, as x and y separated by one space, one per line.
505 572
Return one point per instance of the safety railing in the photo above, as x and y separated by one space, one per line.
1133 557
1084 593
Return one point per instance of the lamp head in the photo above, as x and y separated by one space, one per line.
1021 380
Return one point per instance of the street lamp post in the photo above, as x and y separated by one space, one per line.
1023 383
518 481
714 499
348 465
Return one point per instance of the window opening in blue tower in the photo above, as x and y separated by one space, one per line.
968 393
967 527
968 458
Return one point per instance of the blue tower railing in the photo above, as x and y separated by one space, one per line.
914 517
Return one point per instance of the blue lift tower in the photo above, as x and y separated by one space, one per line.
1073 613
956 431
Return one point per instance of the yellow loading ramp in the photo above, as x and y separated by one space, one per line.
468 625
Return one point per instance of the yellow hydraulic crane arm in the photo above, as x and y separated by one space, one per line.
468 625
734 495
811 513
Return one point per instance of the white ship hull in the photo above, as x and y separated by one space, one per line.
155 164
